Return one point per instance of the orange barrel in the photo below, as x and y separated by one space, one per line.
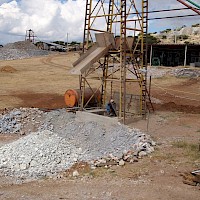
72 97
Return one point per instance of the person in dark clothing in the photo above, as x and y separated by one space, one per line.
111 108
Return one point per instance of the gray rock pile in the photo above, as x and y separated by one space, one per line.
186 72
23 45
61 141
23 120
37 155
98 142
156 72
20 50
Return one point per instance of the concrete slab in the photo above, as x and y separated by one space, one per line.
83 116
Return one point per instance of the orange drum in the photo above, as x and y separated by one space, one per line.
72 97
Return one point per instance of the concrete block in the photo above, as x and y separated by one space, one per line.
83 116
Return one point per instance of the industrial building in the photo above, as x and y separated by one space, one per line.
174 55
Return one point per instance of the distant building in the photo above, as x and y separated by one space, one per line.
173 54
50 46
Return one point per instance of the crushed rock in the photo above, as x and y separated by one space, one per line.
61 141
186 72
37 155
20 50
156 72
22 120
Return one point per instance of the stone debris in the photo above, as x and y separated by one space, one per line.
156 72
23 120
186 72
75 173
20 50
121 163
61 141
23 45
37 155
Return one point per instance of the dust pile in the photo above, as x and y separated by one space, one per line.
8 69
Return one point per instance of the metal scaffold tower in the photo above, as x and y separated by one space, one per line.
119 30
30 36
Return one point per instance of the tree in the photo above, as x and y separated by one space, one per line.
74 42
195 25
166 30
152 40
59 42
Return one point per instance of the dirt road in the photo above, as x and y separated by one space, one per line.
37 82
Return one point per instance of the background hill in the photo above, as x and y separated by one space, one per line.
182 35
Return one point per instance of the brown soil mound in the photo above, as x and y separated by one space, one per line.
8 69
42 100
173 107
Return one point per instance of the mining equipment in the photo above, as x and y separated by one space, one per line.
114 60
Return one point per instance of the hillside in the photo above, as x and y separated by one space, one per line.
183 35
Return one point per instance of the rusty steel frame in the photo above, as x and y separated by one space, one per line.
128 16
30 36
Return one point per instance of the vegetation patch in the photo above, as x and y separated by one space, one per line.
190 150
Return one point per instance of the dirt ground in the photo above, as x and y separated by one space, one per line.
175 126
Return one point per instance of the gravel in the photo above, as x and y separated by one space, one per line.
22 120
20 50
60 141
186 72
155 72
37 155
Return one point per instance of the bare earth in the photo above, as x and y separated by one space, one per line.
41 82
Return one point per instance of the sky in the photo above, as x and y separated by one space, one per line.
61 19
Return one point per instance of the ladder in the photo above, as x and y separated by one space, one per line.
122 104
110 16
87 24
109 22
86 38
138 75
149 104
144 56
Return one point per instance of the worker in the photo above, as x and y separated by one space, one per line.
111 108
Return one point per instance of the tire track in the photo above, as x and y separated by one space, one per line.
48 61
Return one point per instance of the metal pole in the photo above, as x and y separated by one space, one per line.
148 115
151 55
193 3
67 41
185 59
175 37
192 8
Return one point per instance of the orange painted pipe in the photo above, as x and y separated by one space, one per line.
72 97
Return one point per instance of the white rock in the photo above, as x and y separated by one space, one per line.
75 159
153 143
75 173
103 161
142 153
23 166
121 163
